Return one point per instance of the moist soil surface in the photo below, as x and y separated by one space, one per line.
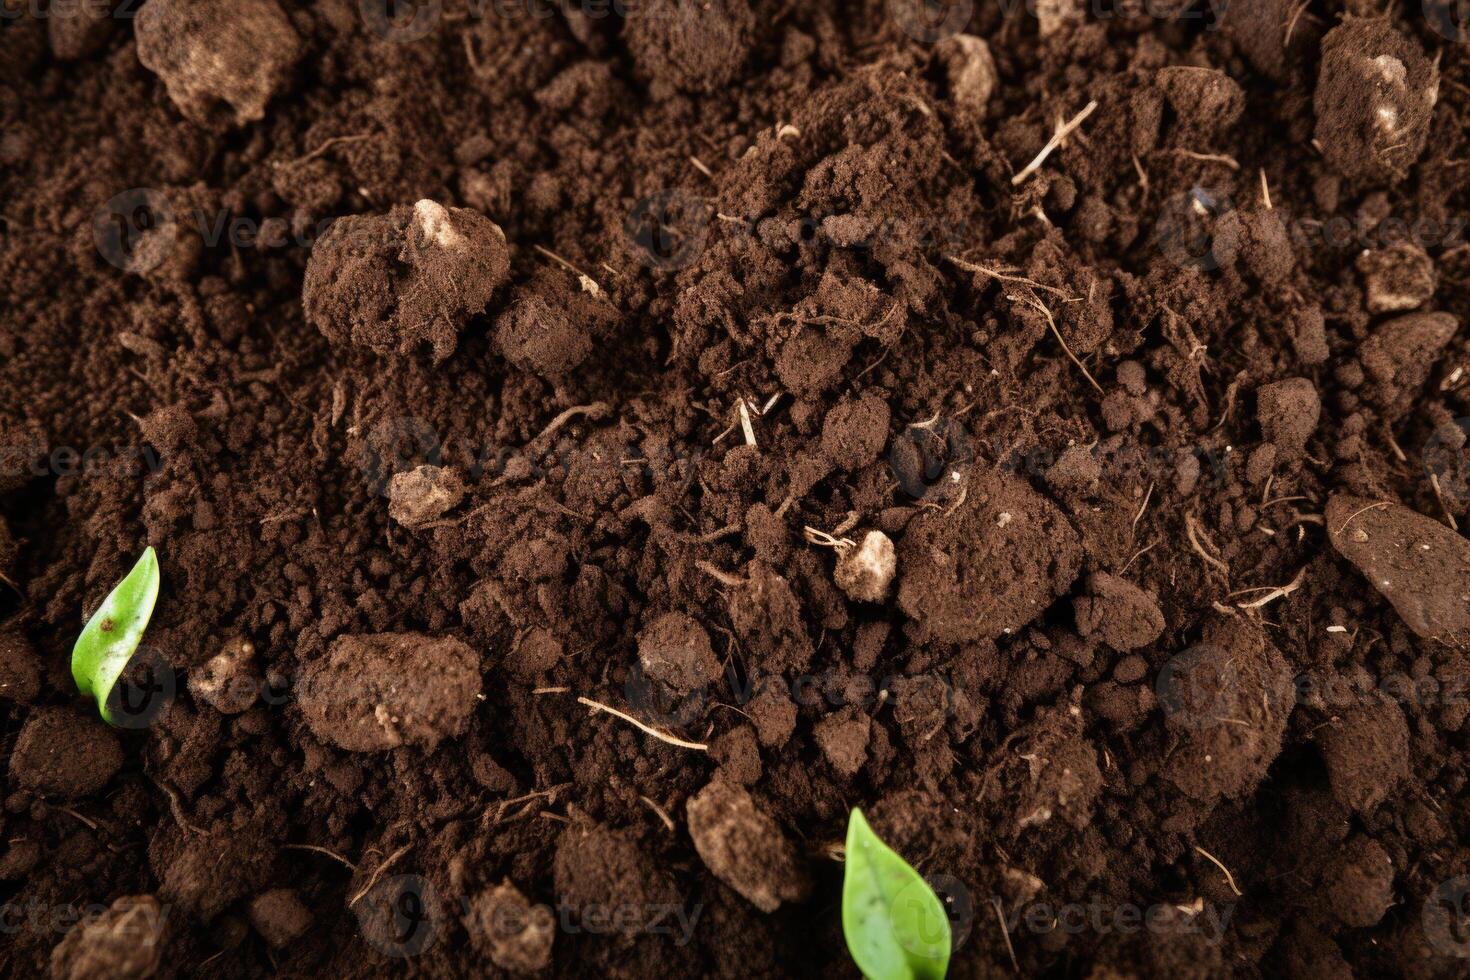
1041 428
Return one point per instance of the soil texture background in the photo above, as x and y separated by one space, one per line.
591 448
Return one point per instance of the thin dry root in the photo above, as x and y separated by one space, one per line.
1192 529
825 540
1051 322
378 873
661 736
745 426
1058 137
320 850
589 285
1004 277
1277 593
724 578
1439 495
1229 878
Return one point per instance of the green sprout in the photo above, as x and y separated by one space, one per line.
112 635
896 927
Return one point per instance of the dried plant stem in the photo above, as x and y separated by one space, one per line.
1051 322
378 873
661 736
1192 529
1278 592
1058 136
1229 878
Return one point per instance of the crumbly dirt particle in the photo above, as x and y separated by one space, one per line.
675 648
280 917
125 942
514 934
693 46
989 564
229 681
1376 91
394 282
1418 564
420 496
64 753
20 667
855 431
1366 750
1118 612
843 738
1227 700
1359 883
970 70
1289 411
865 570
605 873
1399 354
380 691
221 62
745 848
1398 278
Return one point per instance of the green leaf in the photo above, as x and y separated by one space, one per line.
111 636
896 927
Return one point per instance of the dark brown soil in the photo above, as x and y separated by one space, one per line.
590 448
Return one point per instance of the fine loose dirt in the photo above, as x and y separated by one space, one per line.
590 448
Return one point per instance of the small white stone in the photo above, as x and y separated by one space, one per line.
866 571
433 221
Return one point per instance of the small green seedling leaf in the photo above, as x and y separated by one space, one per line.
896 927
112 635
